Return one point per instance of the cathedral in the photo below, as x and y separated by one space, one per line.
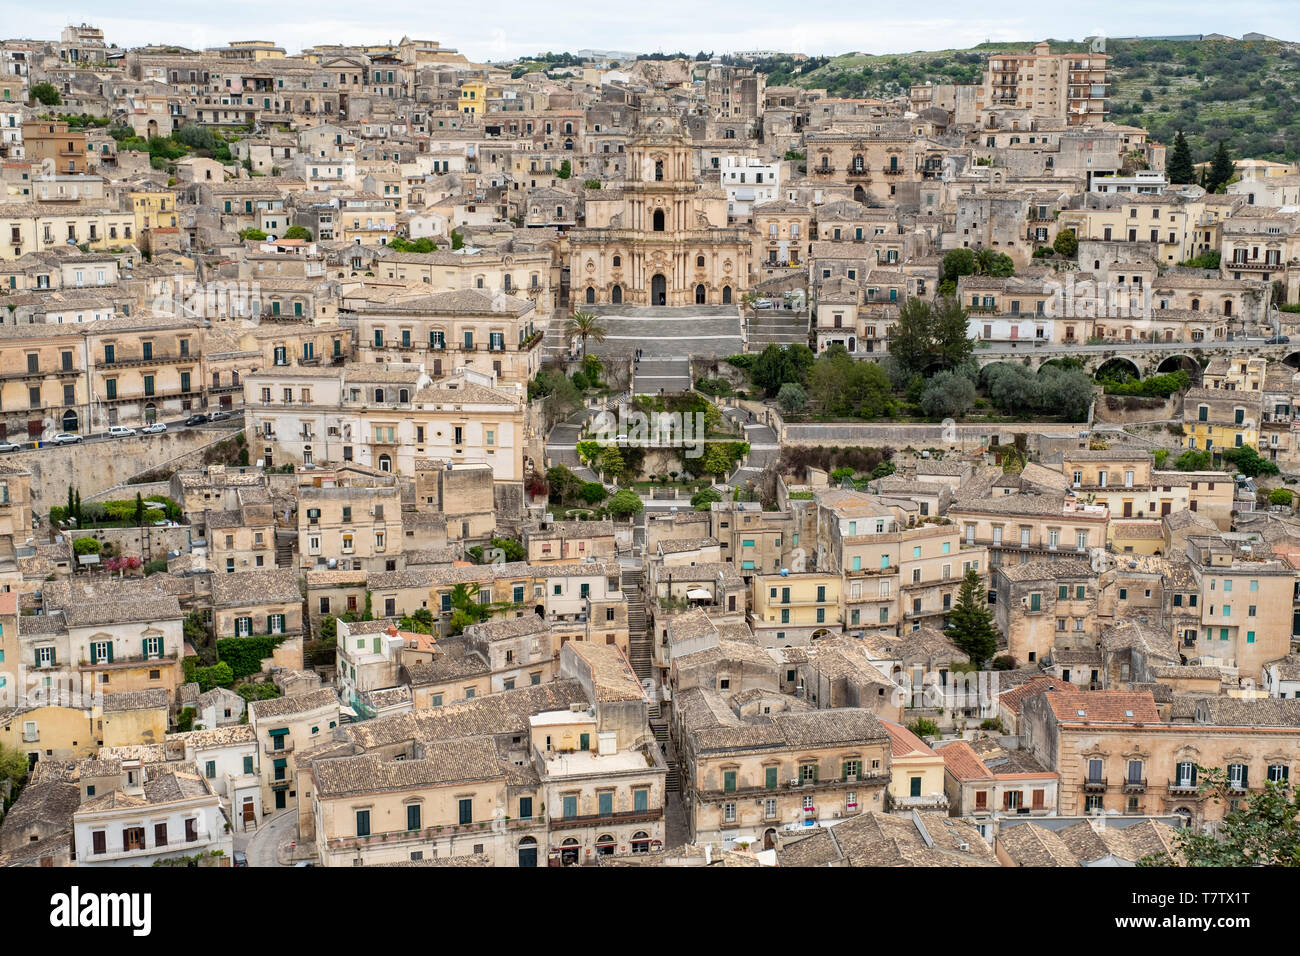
661 238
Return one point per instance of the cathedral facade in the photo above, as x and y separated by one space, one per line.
660 238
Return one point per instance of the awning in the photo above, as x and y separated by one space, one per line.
699 594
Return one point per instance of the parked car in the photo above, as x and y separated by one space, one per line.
9 446
120 431
1278 340
154 429
65 438
220 416
196 420
241 858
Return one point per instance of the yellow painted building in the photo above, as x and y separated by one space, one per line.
473 95
915 772
153 210
794 608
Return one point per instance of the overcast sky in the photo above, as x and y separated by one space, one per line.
502 29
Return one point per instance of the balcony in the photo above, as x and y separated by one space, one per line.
1135 786
893 170
1095 786
272 751
399 837
590 819
1254 265
822 170
157 358
1183 788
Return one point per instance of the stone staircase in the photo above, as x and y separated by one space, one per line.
284 550
640 653
776 326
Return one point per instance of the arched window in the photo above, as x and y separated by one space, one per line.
699 262
640 842
1227 307
569 852
616 295
403 395
1196 305
379 395
385 463
591 296
659 170
659 220
605 845
726 295
699 295
70 421
618 262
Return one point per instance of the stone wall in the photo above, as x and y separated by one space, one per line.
96 466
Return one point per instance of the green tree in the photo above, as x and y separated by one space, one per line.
86 545
1221 169
948 395
612 462
625 504
565 170
716 460
792 397
1263 832
252 234
701 500
997 264
593 492
1248 461
457 240
298 232
1180 169
924 727
1066 243
970 624
925 336
1280 496
777 365
957 263
139 510
1192 460
584 325
45 94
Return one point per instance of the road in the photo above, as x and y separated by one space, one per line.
260 846
235 421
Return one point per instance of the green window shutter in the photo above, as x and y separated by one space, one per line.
525 807
770 775
1063 593
110 652
94 654
248 765
144 647
640 800
605 804
729 781
413 816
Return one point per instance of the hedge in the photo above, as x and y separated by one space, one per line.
245 654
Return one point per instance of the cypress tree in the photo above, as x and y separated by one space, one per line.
970 626
1180 169
1221 168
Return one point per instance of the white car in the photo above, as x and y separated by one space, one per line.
155 429
120 431
9 446
65 438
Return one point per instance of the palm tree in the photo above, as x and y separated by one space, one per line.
584 325
984 259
